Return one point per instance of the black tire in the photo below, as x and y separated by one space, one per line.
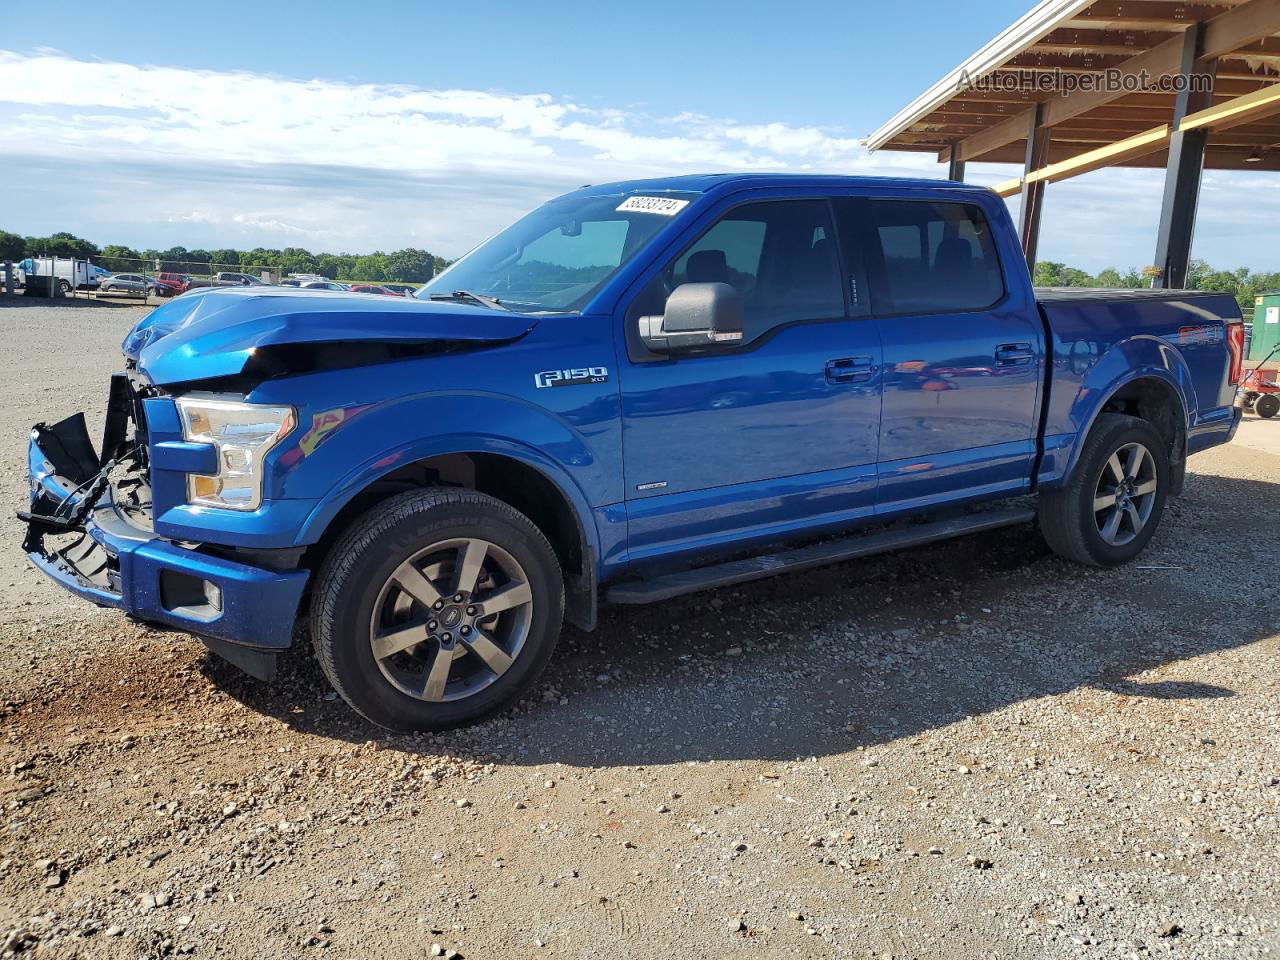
1267 405
351 591
64 287
1068 520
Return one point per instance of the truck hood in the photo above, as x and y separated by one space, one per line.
213 333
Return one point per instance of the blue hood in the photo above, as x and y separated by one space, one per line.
212 333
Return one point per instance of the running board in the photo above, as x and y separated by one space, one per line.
817 555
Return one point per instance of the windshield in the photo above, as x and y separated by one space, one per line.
559 255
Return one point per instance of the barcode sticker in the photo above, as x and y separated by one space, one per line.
663 206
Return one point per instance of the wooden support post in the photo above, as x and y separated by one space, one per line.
1033 190
1183 172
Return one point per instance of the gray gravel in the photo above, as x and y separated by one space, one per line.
966 750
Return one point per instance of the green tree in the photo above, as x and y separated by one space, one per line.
119 259
224 259
1051 274
410 265
371 267
333 265
61 244
296 260
12 246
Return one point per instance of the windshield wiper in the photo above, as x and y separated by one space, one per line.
479 298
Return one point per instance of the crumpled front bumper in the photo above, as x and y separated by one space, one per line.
109 560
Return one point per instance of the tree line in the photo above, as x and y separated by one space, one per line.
1242 283
409 265
412 265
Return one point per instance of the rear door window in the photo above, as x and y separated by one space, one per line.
934 258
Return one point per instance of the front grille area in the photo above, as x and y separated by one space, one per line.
125 441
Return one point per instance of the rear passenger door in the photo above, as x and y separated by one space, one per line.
963 353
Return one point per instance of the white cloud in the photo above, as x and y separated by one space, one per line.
131 111
466 161
153 156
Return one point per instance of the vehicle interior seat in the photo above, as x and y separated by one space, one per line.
708 266
953 264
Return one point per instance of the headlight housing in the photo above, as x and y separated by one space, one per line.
242 433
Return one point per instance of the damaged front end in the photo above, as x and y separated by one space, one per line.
69 478
89 528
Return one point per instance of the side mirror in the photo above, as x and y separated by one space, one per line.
696 315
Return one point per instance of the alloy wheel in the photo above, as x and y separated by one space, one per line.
451 620
1125 494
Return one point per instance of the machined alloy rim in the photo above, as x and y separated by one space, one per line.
451 620
1125 494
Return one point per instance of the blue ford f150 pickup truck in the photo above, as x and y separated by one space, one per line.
639 390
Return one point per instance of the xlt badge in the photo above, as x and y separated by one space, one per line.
571 377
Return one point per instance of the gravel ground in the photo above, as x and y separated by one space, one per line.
967 750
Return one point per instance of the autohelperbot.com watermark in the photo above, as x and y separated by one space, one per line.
1110 80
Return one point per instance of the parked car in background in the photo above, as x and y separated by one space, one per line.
179 282
372 288
231 279
323 285
400 289
135 283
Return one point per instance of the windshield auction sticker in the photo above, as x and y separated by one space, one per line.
663 206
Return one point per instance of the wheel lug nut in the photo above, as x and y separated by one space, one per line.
447 639
471 611
457 598
432 625
466 631
438 605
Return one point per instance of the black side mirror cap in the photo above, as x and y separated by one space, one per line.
696 315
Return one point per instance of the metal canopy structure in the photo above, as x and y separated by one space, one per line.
1077 85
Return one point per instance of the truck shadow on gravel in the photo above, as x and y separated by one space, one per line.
78 302
861 653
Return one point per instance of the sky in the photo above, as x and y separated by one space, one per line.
428 125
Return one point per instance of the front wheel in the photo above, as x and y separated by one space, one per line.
64 287
1267 405
1111 505
437 609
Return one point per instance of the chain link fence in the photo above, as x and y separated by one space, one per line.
122 277
133 278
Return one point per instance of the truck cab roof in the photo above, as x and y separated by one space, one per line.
732 182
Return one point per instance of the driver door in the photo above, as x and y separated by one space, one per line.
772 435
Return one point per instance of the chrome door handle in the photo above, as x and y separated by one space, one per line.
849 370
1009 354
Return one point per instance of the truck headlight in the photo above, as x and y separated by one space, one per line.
243 433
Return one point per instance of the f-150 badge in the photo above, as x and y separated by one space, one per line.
571 377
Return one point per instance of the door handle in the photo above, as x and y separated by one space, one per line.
849 370
1009 354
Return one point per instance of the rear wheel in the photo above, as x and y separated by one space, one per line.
437 609
64 287
1112 504
1267 405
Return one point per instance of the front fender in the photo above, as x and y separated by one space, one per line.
1082 386
380 440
